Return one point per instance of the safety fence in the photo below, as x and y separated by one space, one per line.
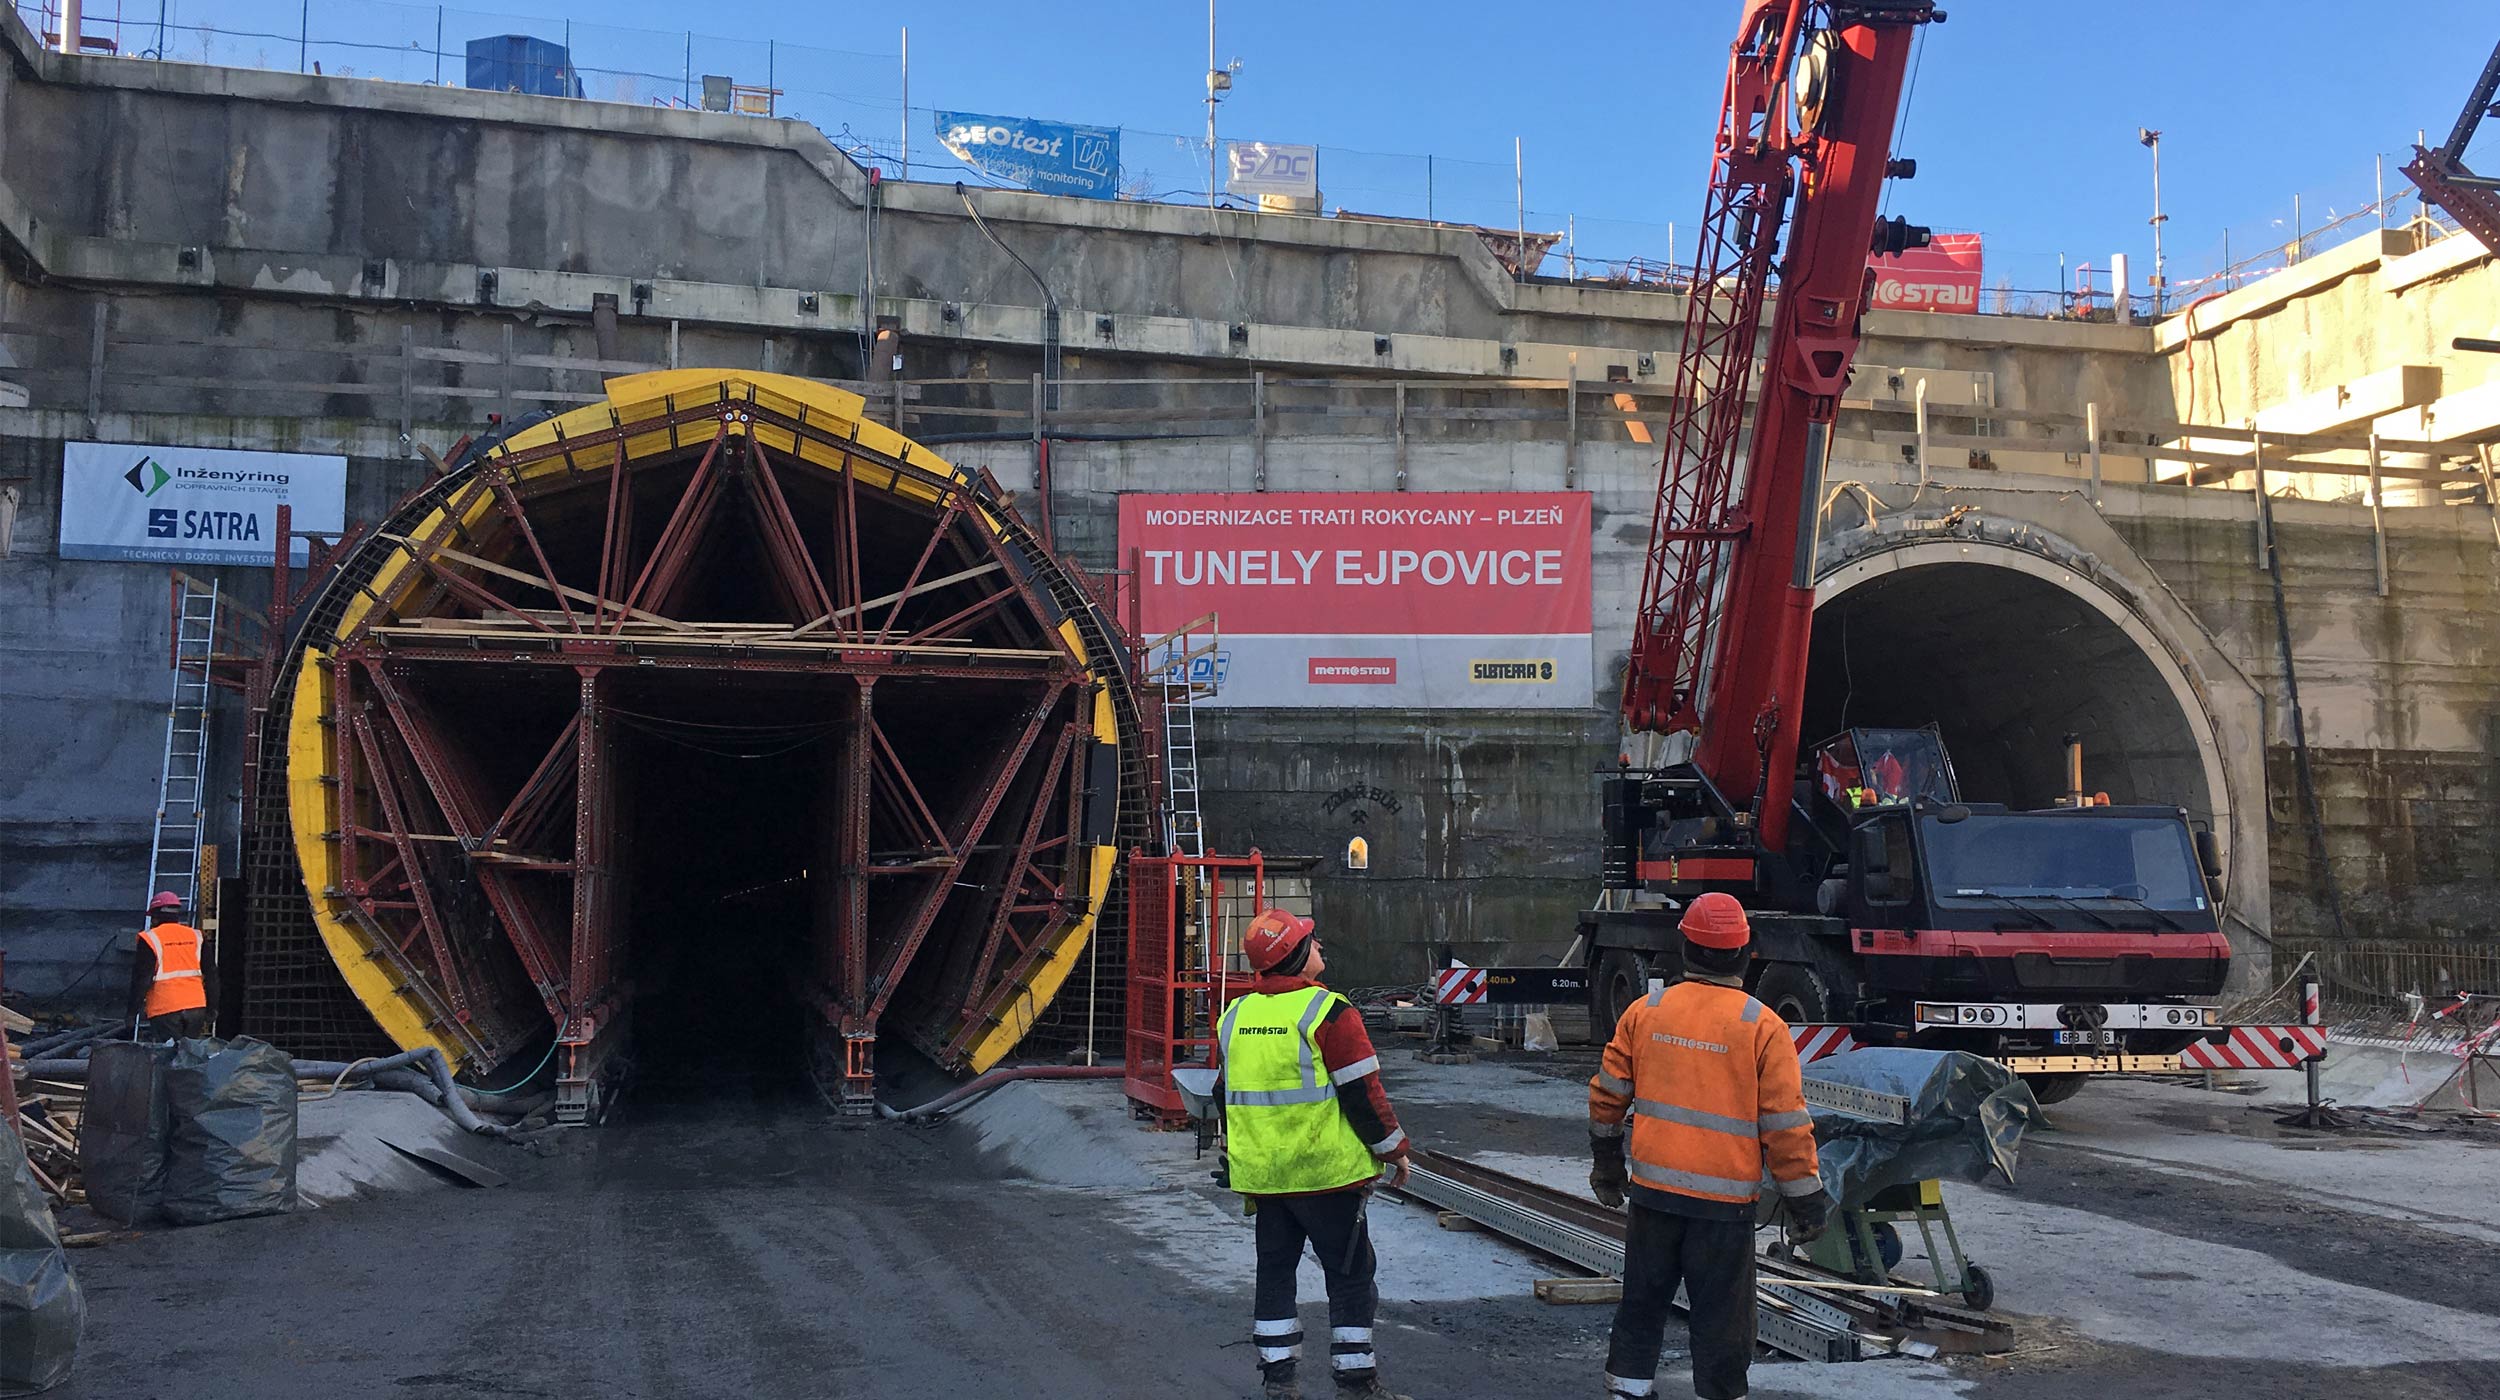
863 102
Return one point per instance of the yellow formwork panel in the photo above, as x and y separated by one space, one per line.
633 399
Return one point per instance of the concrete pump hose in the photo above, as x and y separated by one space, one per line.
414 1071
964 1093
422 1072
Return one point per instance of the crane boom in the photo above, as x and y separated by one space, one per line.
1720 638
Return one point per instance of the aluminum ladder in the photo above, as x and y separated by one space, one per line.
1182 657
182 788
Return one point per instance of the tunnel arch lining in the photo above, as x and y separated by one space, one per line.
1878 559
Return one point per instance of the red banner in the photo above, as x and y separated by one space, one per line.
1444 599
1943 276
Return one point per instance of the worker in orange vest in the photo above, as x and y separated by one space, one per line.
168 978
1710 1078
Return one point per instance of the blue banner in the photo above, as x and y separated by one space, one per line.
1045 157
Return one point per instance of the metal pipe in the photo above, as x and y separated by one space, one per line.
73 24
964 1093
2074 771
51 1045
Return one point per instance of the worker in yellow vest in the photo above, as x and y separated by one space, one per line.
169 978
1307 1131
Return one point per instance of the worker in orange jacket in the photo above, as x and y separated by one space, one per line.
169 975
1710 1079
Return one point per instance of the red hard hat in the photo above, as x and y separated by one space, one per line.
165 899
1716 920
1272 937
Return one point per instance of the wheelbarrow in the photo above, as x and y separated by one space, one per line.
1865 1243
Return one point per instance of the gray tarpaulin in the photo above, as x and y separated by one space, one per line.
41 1310
230 1152
1966 1120
121 1139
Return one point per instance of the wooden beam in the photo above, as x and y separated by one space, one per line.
447 552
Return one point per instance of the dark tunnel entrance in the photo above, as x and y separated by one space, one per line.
720 813
2006 664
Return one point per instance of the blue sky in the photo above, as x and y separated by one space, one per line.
2023 120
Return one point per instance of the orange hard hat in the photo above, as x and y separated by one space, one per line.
1716 920
1272 938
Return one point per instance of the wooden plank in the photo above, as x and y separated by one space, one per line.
533 580
1581 1290
890 599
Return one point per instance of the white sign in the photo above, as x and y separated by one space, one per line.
193 505
1263 167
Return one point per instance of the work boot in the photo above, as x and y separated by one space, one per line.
1368 1388
1286 1389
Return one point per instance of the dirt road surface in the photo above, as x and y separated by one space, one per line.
737 1242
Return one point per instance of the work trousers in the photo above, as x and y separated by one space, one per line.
1333 1223
179 1025
1714 1261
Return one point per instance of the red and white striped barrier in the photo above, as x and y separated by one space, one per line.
1458 986
2258 1047
1821 1042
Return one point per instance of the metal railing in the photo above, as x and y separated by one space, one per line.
400 380
862 102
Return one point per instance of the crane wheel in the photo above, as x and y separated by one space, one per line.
1801 994
1622 979
2055 1088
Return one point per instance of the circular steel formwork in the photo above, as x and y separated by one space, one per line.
714 674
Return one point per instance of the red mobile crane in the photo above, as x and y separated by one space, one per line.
2062 941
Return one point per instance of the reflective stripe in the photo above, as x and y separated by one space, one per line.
174 976
1367 1065
1389 1144
1693 1118
1753 1011
1693 1181
1278 1098
1657 996
148 936
1605 1130
1302 1032
1617 1385
1350 1334
1775 1122
1352 1361
1277 1327
1802 1186
1621 1088
1281 1353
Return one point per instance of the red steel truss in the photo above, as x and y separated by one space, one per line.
489 867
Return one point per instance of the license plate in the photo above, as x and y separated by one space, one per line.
2087 1037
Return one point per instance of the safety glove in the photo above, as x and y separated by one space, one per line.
1809 1216
1608 1175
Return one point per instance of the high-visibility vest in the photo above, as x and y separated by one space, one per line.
1710 1078
178 985
1284 1133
